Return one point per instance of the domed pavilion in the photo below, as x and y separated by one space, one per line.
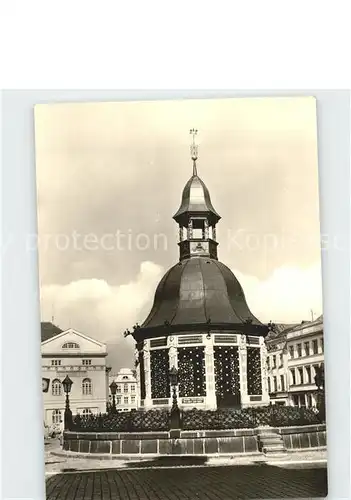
200 322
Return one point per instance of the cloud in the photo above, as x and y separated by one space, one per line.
103 311
287 295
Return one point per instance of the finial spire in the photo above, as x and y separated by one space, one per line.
194 150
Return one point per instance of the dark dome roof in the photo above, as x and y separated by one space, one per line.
197 292
196 199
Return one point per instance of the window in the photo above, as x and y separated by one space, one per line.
315 346
309 400
70 345
301 375
86 387
293 377
132 388
274 384
125 400
302 400
118 400
269 385
299 350
308 375
125 388
307 348
56 417
119 388
125 377
322 345
56 387
291 351
274 361
86 362
282 383
132 399
280 360
86 412
295 400
55 362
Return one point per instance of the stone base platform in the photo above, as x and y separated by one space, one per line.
197 443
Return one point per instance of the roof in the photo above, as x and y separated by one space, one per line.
49 330
196 199
281 330
195 293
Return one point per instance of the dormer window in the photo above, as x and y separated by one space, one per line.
70 345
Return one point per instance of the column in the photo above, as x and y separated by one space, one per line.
264 373
211 400
245 400
137 370
147 374
206 230
173 361
190 229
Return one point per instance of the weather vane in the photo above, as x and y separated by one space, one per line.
193 147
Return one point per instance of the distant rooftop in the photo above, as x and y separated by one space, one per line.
49 330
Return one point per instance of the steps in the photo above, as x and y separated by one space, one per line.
270 442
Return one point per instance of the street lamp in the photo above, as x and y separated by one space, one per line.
175 413
319 381
67 384
113 389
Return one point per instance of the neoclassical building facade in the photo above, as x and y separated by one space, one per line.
200 322
83 359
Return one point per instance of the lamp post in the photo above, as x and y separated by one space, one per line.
67 384
175 413
113 389
319 381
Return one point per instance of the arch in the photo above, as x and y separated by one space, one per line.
87 387
56 387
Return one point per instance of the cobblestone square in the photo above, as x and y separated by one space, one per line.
189 483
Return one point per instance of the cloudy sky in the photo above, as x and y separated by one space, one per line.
110 177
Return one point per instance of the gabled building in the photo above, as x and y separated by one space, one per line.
83 359
127 394
293 353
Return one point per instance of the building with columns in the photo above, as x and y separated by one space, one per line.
294 352
200 322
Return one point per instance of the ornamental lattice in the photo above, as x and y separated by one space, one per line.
226 363
191 370
254 372
159 366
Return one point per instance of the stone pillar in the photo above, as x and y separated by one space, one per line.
264 371
190 229
206 230
137 369
147 374
245 400
211 400
173 360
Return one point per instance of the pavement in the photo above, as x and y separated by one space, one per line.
292 475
